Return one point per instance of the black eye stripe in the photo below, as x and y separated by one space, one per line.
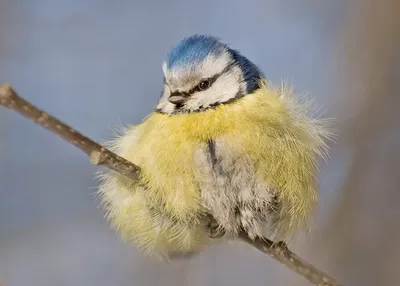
211 80
178 93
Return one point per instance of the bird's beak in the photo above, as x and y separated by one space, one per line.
178 98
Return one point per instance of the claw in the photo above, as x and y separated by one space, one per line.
282 245
215 231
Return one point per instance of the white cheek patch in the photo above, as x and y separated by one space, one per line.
226 87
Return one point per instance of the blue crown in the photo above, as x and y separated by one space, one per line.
193 50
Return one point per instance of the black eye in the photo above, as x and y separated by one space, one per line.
204 84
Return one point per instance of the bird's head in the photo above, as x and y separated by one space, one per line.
201 72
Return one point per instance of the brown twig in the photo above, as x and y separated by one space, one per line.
101 156
282 253
98 154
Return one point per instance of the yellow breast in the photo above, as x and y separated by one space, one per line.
261 125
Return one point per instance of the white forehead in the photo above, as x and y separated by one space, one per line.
184 77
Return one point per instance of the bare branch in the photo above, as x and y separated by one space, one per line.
98 154
102 156
279 251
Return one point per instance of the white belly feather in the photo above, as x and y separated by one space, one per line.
233 193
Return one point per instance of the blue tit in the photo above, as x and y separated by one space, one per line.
223 151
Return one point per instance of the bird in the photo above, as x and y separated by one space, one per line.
223 152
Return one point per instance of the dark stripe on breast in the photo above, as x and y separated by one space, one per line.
212 151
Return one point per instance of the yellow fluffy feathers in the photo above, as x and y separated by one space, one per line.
162 213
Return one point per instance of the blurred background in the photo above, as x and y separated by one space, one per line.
97 65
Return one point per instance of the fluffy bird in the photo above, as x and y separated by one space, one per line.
222 152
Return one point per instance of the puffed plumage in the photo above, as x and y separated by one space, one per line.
249 162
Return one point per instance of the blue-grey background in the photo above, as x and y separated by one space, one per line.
97 65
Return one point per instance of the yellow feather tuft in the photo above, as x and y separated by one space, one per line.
269 125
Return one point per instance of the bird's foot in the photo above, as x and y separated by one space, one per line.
215 231
281 244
